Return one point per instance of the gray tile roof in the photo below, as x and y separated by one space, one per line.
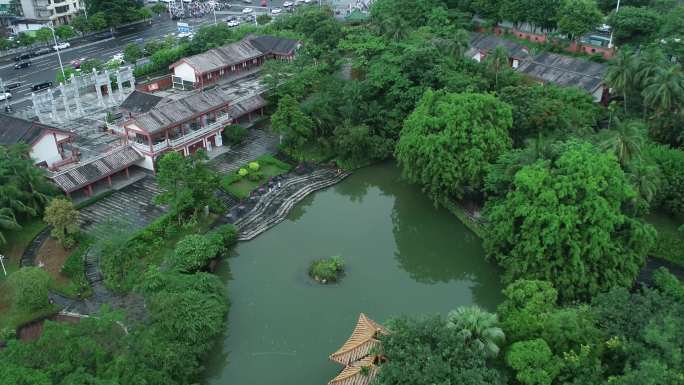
250 47
221 57
245 106
488 43
565 71
138 102
167 113
15 130
95 169
274 45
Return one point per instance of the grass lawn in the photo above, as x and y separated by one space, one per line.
17 241
670 242
241 187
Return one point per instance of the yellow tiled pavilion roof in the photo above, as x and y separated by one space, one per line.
360 343
352 375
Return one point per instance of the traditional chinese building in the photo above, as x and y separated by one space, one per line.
230 60
358 354
184 125
49 145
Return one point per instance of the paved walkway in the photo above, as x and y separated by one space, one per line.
257 143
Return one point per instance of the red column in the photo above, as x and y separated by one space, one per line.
109 180
127 175
90 190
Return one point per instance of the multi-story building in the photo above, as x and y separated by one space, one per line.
57 11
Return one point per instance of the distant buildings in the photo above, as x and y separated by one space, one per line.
546 67
57 11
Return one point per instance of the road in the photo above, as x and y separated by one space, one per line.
44 68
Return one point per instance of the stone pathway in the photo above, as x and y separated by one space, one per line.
257 143
133 206
260 213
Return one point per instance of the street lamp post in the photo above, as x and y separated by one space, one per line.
610 42
59 57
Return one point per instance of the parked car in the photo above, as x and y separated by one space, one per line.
230 18
247 10
41 86
41 51
62 45
276 11
23 56
233 23
76 63
11 86
5 95
118 56
247 1
183 35
24 64
264 3
288 4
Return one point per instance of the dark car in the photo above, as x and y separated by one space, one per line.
24 64
23 56
11 86
41 86
42 51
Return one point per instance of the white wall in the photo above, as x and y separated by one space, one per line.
45 149
23 27
185 72
146 162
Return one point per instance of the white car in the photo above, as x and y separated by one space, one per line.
182 35
307 1
118 56
288 4
276 11
233 23
5 95
247 1
604 28
62 45
247 10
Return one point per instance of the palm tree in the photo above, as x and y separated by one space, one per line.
621 72
646 179
625 141
7 222
497 62
646 68
665 90
477 327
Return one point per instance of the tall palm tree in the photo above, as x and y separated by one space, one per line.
477 327
665 90
621 72
7 222
625 140
647 66
497 61
646 179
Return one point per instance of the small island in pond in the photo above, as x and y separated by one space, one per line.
327 269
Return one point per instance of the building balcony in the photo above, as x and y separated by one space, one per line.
184 140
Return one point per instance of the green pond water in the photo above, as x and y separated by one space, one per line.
403 256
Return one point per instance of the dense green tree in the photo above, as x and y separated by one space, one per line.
634 25
533 362
211 36
132 52
562 221
395 18
65 31
194 252
188 182
19 375
97 21
357 145
670 161
158 8
549 110
80 24
478 328
44 35
665 90
577 17
63 217
621 74
426 352
294 127
449 140
114 12
30 287
526 307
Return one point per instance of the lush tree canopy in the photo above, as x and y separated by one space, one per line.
562 221
450 139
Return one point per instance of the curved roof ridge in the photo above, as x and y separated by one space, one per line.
364 333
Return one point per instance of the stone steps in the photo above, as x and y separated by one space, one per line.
282 202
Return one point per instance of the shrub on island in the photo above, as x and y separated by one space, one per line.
327 269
